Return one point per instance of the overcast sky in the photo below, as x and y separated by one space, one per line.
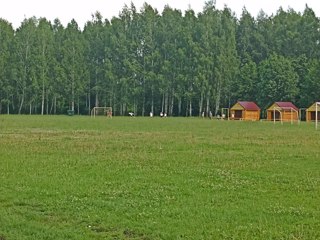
81 10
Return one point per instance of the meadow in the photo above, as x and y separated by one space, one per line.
76 178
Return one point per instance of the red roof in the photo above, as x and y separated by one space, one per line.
286 105
251 106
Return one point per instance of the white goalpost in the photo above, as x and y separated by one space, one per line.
101 111
292 111
274 114
225 113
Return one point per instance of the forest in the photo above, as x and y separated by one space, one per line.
144 61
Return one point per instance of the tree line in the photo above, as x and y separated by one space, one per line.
182 64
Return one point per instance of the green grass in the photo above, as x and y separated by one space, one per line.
140 178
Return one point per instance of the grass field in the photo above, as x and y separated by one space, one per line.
140 178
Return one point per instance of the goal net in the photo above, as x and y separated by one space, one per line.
225 113
285 114
101 111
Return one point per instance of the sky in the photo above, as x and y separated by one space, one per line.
15 11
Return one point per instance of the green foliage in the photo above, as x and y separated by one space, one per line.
312 82
73 63
145 61
247 82
278 80
44 58
141 178
6 71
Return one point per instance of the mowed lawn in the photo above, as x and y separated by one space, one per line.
140 178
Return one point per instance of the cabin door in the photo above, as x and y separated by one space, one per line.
238 114
277 115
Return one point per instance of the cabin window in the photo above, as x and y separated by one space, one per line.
313 116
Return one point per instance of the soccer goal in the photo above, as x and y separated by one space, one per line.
287 114
101 111
225 113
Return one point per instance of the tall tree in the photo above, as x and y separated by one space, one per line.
169 42
246 86
122 58
310 87
246 31
6 63
94 34
209 45
44 57
25 68
228 62
309 34
189 53
278 80
74 64
264 41
300 65
285 33
148 53
58 76
252 37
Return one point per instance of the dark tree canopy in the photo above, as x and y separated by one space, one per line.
144 61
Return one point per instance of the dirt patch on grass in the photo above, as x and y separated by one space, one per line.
129 234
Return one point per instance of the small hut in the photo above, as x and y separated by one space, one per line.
283 111
245 111
311 112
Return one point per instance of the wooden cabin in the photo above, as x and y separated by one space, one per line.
245 111
283 111
311 112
